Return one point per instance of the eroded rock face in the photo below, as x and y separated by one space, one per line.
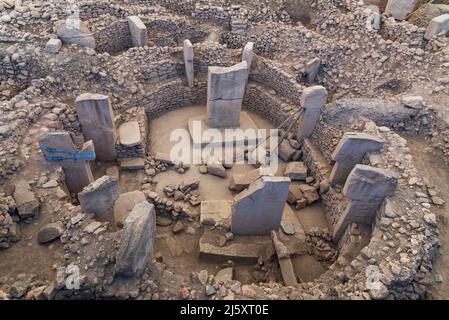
136 245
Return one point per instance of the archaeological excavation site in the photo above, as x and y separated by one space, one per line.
224 150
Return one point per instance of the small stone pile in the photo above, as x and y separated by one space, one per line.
8 228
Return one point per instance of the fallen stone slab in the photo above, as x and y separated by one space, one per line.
99 197
242 248
50 232
137 241
132 164
27 203
75 31
285 263
125 204
296 171
129 134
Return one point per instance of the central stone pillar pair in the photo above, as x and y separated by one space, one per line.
225 92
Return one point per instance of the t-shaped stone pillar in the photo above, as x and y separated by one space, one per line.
59 146
258 209
137 242
350 151
99 198
313 100
138 30
366 188
188 61
225 90
97 121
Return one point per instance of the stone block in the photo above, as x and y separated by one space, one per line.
129 134
400 9
216 213
97 122
258 209
26 202
125 204
225 90
438 25
138 30
350 151
99 197
53 46
296 171
313 100
137 241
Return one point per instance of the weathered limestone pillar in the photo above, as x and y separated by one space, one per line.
188 62
99 197
437 25
258 209
313 100
400 9
287 271
247 54
225 90
59 146
350 151
366 187
97 122
136 246
138 30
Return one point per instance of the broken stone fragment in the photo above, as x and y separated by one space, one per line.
415 102
132 164
216 169
125 204
286 151
53 46
224 275
309 192
50 232
296 171
99 197
178 227
74 31
26 202
294 194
